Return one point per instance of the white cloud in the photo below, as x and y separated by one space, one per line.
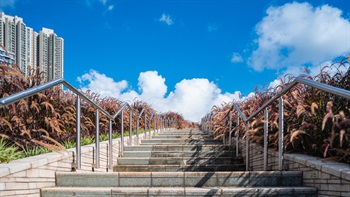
212 27
7 3
104 2
311 71
192 98
110 8
106 86
236 58
166 19
297 34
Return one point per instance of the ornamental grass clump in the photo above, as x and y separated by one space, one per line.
47 119
315 122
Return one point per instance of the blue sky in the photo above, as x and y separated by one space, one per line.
188 55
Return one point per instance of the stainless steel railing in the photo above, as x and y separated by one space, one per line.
32 91
321 86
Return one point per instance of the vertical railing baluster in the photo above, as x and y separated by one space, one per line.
137 130
122 132
145 126
211 126
280 136
110 145
97 140
107 158
266 136
78 147
237 136
247 148
224 136
230 130
155 125
130 126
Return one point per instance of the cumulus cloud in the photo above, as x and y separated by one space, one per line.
166 19
7 3
236 58
312 71
297 34
106 86
192 98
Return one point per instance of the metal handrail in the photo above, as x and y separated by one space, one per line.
32 91
121 111
314 84
321 86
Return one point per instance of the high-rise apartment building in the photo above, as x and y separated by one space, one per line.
43 50
51 51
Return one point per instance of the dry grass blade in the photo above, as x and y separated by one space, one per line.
326 117
313 107
4 121
55 142
341 138
48 146
48 105
295 134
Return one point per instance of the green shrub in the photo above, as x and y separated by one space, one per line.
8 153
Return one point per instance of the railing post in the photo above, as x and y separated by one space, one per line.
266 136
130 126
224 134
97 141
280 141
211 126
145 125
155 125
110 145
230 130
122 131
137 130
150 128
78 147
237 136
247 148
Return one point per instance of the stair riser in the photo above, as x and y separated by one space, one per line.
182 179
177 168
176 154
174 141
171 161
161 192
195 148
181 143
181 137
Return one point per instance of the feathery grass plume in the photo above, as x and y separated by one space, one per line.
52 113
310 117
313 107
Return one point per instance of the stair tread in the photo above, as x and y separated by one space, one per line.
194 165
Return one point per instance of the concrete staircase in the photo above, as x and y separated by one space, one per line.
180 163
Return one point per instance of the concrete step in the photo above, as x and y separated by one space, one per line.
177 160
179 179
180 141
179 168
185 133
196 147
179 154
182 137
177 191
